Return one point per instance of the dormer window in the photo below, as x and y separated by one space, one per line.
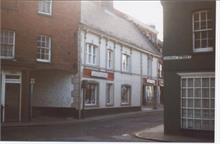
202 31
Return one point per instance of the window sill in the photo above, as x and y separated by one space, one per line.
198 50
43 61
7 58
45 14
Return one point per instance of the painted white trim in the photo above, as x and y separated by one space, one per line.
44 13
196 74
4 81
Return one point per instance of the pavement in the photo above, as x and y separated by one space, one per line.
157 134
45 120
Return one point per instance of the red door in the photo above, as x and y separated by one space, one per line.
12 95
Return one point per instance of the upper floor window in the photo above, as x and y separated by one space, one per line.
109 59
149 65
202 31
125 63
91 54
45 7
44 48
7 44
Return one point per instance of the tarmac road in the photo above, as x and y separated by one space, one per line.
111 129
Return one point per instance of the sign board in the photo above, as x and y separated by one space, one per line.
177 57
99 74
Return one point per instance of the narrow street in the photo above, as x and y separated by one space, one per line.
113 129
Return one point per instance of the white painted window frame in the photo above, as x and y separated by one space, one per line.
193 76
150 66
109 62
125 67
42 2
13 47
205 49
92 61
41 47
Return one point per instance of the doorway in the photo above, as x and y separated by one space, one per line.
11 96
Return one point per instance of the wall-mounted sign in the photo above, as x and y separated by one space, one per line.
98 74
177 57
150 81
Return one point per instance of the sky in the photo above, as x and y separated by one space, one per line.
148 12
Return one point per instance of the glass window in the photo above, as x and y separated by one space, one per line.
91 94
197 103
44 48
45 7
109 94
109 59
202 31
125 63
91 54
7 44
149 65
125 94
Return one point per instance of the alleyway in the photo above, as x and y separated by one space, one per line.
116 128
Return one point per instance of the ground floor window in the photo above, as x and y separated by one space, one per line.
125 94
109 94
91 94
197 102
149 94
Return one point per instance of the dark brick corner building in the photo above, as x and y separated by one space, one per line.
189 68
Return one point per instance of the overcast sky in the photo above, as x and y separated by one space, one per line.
149 12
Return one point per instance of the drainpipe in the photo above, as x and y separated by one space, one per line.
32 82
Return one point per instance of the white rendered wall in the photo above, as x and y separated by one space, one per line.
52 89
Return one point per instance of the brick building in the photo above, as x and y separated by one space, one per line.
38 55
189 68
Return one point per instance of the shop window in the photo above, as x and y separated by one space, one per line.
125 94
91 94
197 103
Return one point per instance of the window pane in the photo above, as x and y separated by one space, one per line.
183 102
196 26
203 16
203 25
190 102
183 82
197 44
204 35
190 82
184 113
197 124
190 113
184 123
204 43
196 16
212 114
209 24
212 92
190 92
197 103
205 92
212 82
197 35
212 103
197 92
197 113
190 123
205 124
205 114
205 82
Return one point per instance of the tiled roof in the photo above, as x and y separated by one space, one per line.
107 21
